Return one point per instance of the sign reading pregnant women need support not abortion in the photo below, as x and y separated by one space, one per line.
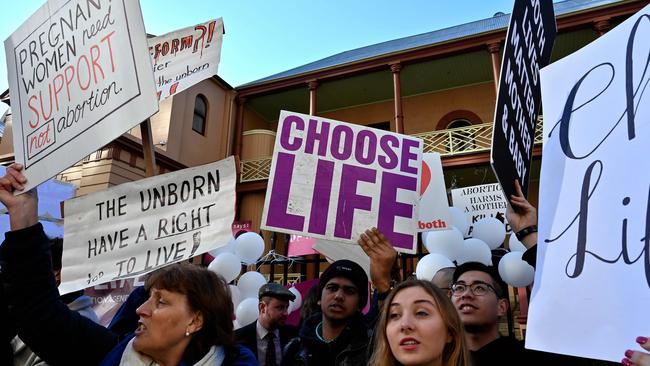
333 180
79 76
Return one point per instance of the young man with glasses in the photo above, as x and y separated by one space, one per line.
479 296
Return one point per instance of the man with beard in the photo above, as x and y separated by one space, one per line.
268 335
338 335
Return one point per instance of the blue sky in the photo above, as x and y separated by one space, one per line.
266 37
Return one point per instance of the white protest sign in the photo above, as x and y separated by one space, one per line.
79 76
186 56
592 284
477 202
137 227
333 180
434 209
335 251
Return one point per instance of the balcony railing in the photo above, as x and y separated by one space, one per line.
451 142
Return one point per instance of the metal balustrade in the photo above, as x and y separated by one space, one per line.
451 142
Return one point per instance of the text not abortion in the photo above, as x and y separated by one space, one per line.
136 227
529 43
333 180
76 68
186 56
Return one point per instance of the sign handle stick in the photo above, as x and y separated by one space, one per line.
147 147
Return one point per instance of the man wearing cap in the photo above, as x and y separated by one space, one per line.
268 335
338 335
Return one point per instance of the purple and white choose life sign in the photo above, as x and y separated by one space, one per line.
333 180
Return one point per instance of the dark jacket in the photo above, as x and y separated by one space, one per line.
61 337
7 332
54 332
350 348
237 356
247 336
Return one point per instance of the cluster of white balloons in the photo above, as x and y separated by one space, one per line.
246 249
228 260
448 246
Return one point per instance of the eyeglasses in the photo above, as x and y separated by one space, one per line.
478 288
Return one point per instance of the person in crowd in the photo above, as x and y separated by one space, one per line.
76 301
310 304
638 358
479 296
522 217
186 320
268 335
338 335
419 326
7 331
444 278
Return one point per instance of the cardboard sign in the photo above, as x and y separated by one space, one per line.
333 180
137 227
79 76
592 284
301 245
434 208
529 43
481 201
186 56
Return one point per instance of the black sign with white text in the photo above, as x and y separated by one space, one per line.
528 47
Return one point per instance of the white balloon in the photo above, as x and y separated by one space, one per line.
227 265
459 220
249 247
229 247
475 250
430 264
515 245
249 284
448 243
295 304
515 271
247 311
235 294
235 325
491 231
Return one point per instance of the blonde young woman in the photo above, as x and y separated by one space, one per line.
419 326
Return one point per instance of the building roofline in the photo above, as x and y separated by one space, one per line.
403 46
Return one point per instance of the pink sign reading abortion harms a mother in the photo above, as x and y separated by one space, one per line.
333 180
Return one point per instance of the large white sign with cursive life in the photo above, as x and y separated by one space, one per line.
592 284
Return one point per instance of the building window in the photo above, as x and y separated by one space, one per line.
200 113
462 140
457 123
380 125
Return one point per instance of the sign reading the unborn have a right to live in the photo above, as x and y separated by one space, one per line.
136 227
79 76
333 180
